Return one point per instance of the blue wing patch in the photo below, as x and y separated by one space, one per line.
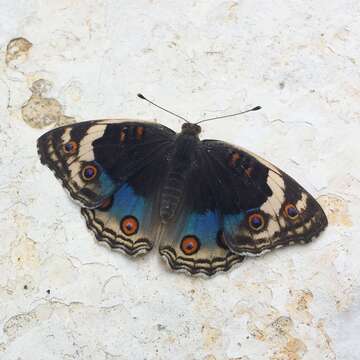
124 221
203 226
231 222
194 244
126 203
107 185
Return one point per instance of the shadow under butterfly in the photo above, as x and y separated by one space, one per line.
206 204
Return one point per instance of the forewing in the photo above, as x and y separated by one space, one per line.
117 149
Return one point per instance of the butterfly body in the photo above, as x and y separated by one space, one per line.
181 161
205 203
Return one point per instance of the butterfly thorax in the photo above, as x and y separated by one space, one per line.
180 164
190 129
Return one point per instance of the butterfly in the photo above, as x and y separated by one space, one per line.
206 204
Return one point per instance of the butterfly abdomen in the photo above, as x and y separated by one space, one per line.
171 195
180 165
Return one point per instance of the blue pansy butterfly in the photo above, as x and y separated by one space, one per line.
206 204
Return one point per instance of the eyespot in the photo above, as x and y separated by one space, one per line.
129 225
190 245
256 222
89 172
291 212
70 147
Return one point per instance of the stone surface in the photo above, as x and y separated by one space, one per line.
62 296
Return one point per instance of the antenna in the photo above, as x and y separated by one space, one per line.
256 108
141 96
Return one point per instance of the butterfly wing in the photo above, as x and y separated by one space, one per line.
237 204
114 169
129 220
262 207
234 202
117 149
194 242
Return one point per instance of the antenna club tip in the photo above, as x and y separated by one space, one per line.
141 96
256 108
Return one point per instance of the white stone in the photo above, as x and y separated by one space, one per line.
62 296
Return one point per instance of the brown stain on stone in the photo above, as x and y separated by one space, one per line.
41 111
279 335
211 335
289 347
336 210
293 350
17 50
282 325
210 357
233 8
303 300
299 307
321 327
24 254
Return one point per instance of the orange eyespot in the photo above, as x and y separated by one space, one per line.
256 222
291 212
70 147
190 245
129 225
89 172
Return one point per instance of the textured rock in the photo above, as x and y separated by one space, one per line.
62 296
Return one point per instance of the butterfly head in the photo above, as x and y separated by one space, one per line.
190 129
